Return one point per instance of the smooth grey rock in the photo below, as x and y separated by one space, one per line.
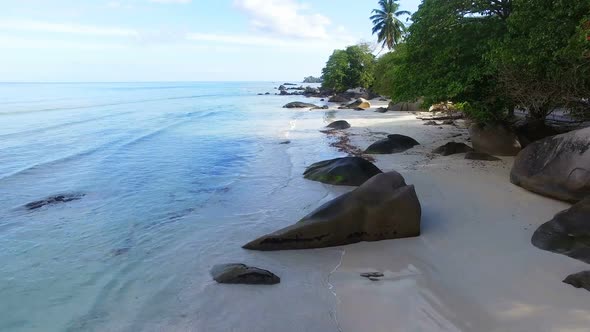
298 104
404 107
579 280
347 171
557 167
392 144
243 274
568 233
338 99
340 124
452 148
359 104
382 208
497 140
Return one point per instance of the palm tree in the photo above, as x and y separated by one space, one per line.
386 24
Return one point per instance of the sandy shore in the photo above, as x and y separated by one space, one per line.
473 268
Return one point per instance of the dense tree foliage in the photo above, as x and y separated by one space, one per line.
489 56
349 68
386 23
543 60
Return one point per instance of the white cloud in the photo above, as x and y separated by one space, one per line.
40 26
285 18
266 41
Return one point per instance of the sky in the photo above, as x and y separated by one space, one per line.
177 40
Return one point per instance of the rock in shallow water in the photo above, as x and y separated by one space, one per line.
340 124
579 280
243 274
347 171
568 233
452 148
382 208
557 167
297 104
63 198
392 144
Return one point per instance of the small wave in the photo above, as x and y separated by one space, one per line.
61 125
60 160
108 104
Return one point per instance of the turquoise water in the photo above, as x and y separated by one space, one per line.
174 177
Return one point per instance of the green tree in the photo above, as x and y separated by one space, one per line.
446 56
386 23
543 61
349 68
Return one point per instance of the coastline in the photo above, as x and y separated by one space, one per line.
473 268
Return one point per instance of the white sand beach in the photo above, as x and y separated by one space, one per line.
473 268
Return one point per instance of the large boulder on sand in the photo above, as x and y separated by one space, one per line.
496 140
298 104
404 107
347 171
579 280
452 148
339 99
243 274
359 104
568 233
392 144
558 166
340 124
382 208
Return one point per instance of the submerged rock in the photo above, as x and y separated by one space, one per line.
430 123
340 124
382 208
62 198
381 110
298 104
568 233
392 144
557 167
347 171
579 280
243 274
452 148
497 140
472 155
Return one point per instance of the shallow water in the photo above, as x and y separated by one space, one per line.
175 178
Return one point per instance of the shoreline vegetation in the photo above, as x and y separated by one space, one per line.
489 125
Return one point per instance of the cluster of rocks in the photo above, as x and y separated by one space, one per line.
307 91
559 167
382 207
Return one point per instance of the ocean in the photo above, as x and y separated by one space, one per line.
169 180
